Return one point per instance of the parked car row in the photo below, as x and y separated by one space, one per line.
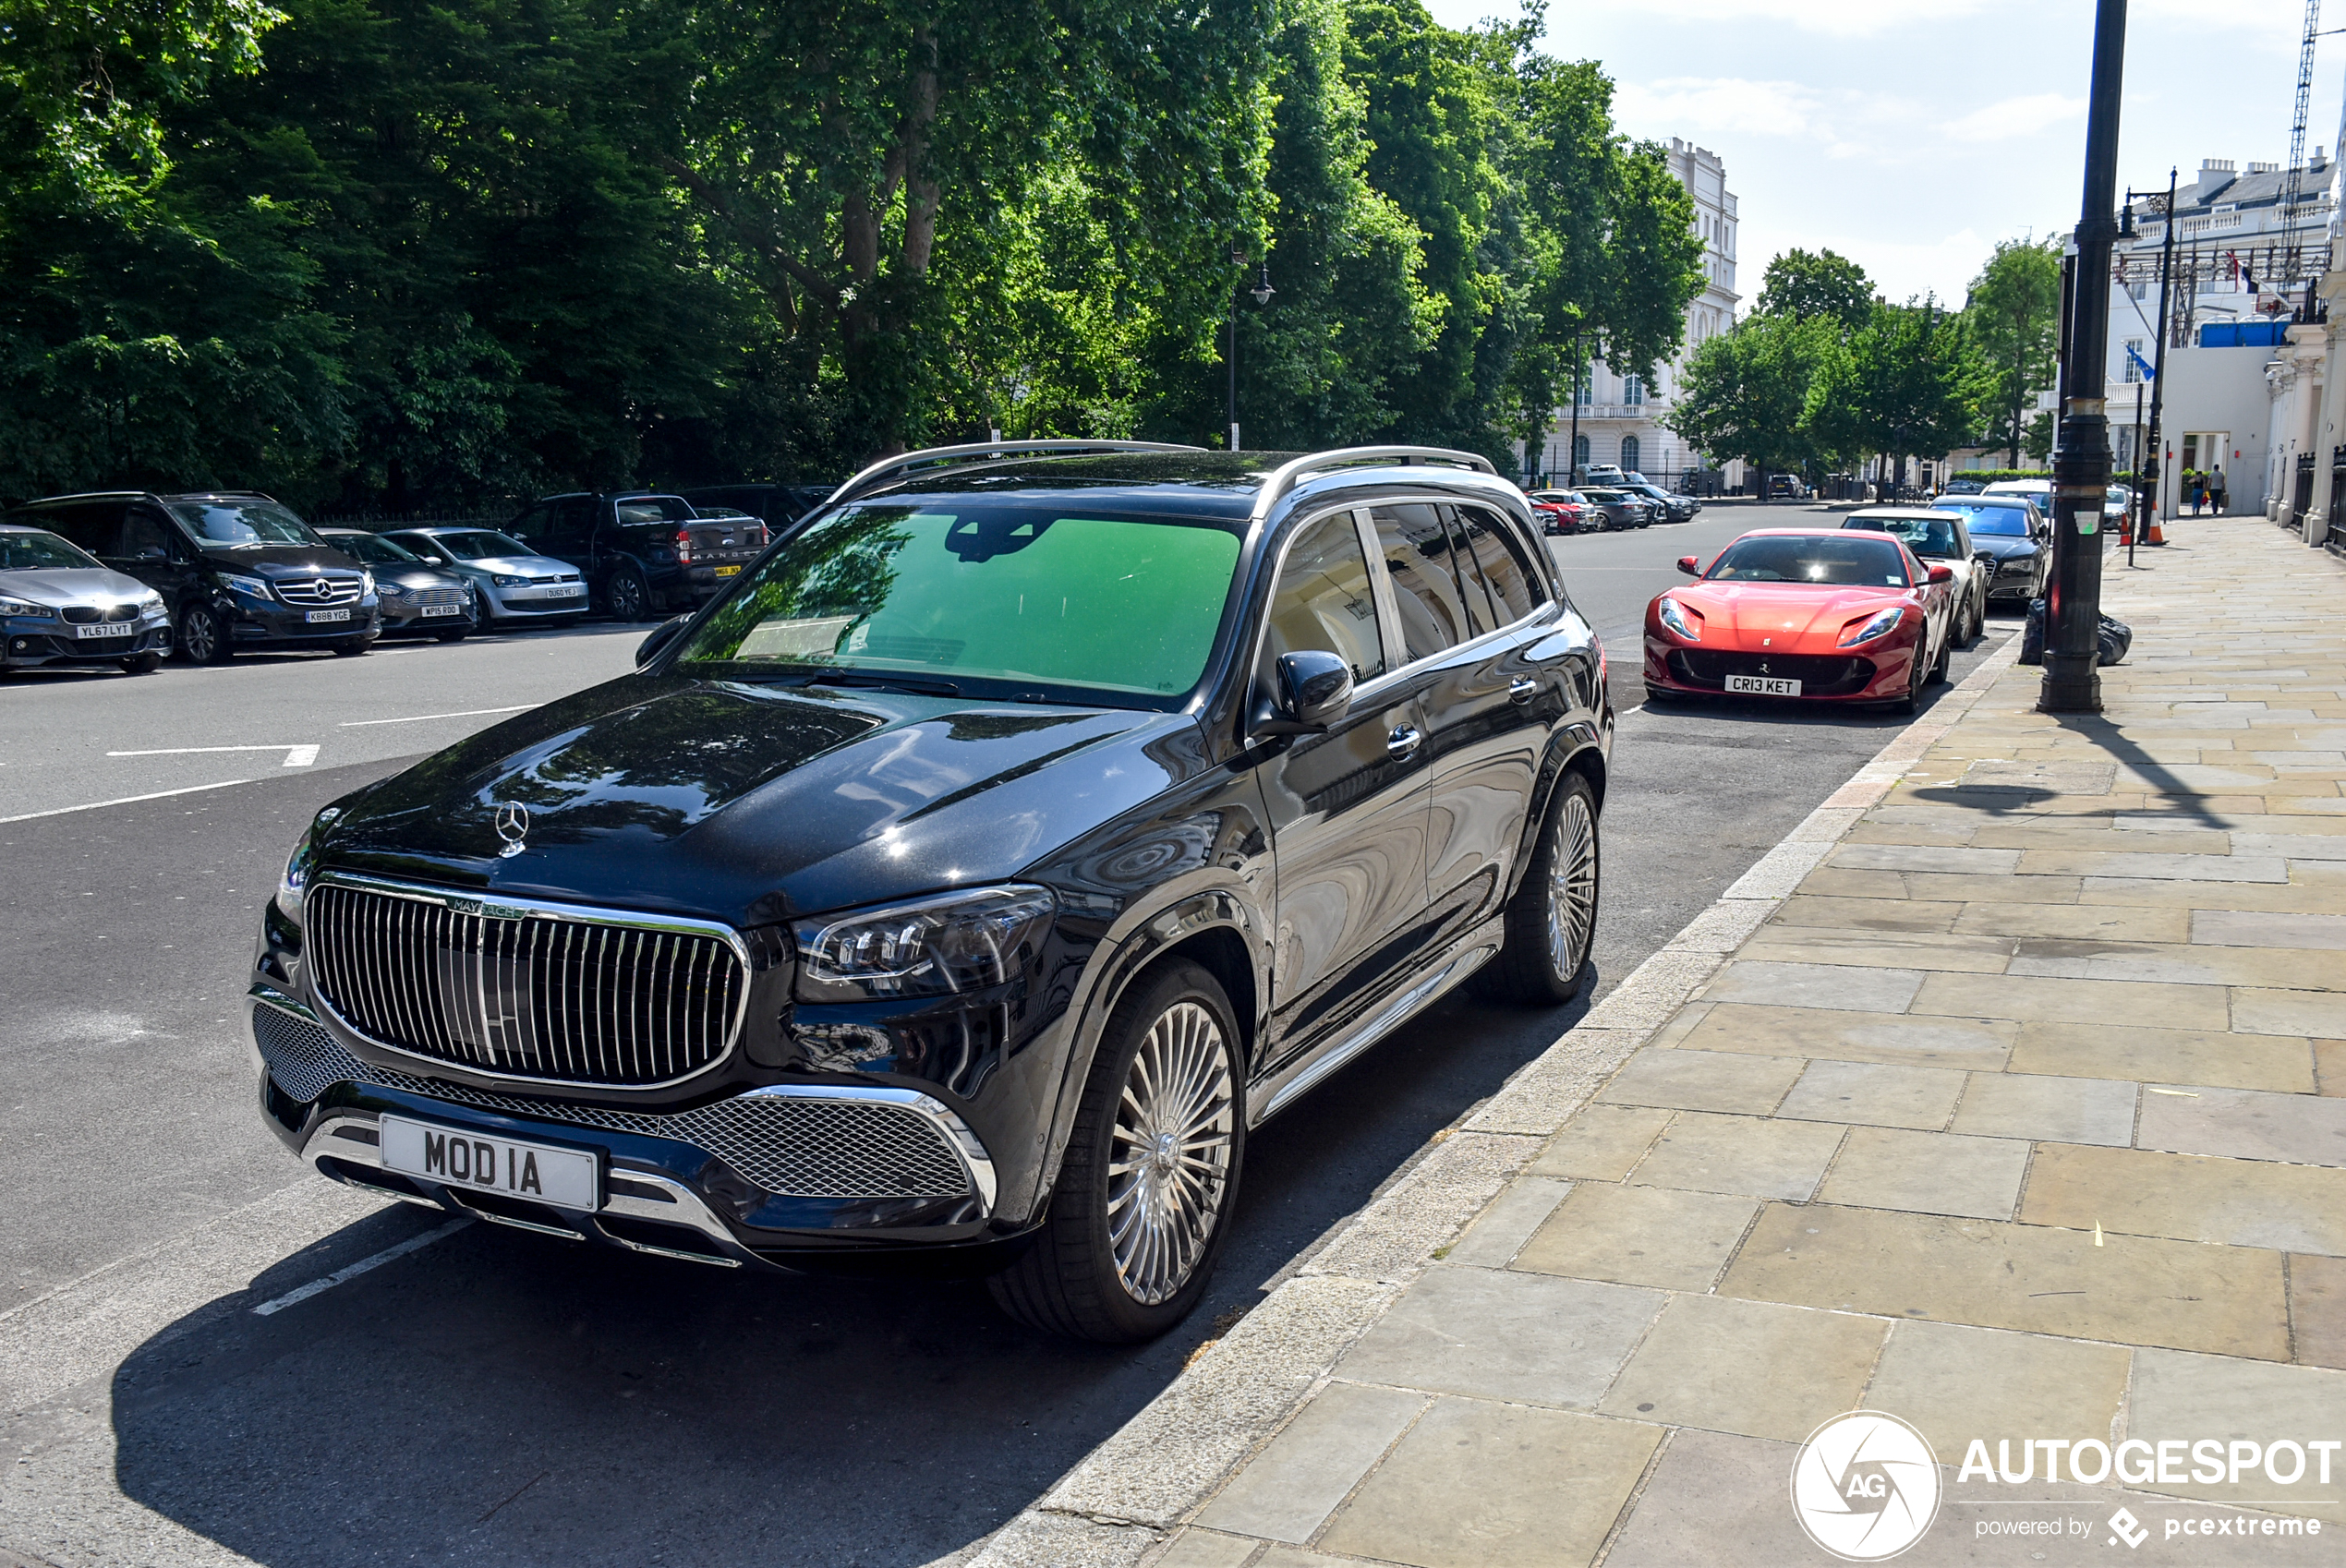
123 577
1603 507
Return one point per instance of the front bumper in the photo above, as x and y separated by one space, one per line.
1877 674
399 617
799 1177
500 603
250 622
26 644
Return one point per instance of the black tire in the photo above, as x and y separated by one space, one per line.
626 594
1917 677
1551 919
351 648
1071 1280
142 664
1946 657
201 636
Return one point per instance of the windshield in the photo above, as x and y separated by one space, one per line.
30 552
2120 496
244 522
1556 497
1847 561
479 545
986 591
652 509
374 547
1987 519
1933 537
1605 497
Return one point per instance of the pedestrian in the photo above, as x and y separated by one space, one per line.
2197 485
2216 494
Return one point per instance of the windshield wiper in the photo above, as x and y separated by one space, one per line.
911 684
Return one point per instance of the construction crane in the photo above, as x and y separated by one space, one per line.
2292 193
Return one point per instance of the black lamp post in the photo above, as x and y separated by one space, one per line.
2081 462
1263 291
2146 493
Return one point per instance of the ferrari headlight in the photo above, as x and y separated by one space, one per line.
1674 616
932 946
1867 630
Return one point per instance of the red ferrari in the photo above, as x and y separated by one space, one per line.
1804 612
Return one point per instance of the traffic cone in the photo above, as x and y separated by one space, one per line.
2157 535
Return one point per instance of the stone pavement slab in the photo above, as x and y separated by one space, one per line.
1752 1155
1956 1383
2056 1110
2243 1123
1929 1173
2234 1202
1872 1093
1649 1236
1895 1039
2163 1056
1505 1335
1601 1142
1719 1363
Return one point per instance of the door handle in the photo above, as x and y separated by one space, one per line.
1403 743
1522 689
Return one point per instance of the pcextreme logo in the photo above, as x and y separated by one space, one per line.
1865 1486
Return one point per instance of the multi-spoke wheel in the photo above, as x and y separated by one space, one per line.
1144 1197
1551 919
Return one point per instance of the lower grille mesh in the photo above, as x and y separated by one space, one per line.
793 1148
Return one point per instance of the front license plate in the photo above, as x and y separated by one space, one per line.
567 1178
565 590
443 609
101 629
727 571
1763 685
319 616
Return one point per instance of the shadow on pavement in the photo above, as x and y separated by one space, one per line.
502 1393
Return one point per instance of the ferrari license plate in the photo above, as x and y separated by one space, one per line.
1763 685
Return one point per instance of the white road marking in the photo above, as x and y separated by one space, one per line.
127 800
295 756
418 718
413 1244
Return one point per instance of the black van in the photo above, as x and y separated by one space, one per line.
235 568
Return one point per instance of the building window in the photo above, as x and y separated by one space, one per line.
1584 394
2138 289
2134 359
1579 452
1631 453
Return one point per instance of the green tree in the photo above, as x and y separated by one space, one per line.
2015 318
1807 286
1745 392
1906 381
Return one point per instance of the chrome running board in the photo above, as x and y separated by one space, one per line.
1465 958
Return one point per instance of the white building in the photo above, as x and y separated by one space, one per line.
1619 416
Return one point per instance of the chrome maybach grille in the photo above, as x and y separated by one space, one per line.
523 993
792 1147
318 590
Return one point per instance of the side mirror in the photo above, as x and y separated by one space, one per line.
1942 574
652 646
1315 687
1687 564
1985 556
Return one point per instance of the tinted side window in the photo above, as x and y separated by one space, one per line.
1506 564
95 525
145 537
571 522
1425 587
1481 611
1324 600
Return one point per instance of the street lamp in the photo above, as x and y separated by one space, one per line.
2146 494
1262 291
2081 462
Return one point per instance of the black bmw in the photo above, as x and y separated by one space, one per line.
961 888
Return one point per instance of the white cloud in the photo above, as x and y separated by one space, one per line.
2014 117
1720 106
1839 19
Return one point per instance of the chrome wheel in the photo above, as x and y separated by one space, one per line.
1170 1156
1572 885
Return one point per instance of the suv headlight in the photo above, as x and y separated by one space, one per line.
294 880
1674 615
252 586
1868 630
932 947
27 608
150 604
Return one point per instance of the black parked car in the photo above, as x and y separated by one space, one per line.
1667 507
235 570
2015 533
58 605
962 886
642 554
416 595
778 506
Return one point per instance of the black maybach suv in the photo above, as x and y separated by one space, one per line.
961 888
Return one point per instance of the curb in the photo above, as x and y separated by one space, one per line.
1157 1471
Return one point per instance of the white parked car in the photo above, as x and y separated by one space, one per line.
1940 538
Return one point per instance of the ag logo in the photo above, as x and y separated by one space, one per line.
1865 1486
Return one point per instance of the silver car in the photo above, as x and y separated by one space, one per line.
516 586
1940 538
59 606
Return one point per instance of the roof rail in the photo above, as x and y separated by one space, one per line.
894 467
1287 475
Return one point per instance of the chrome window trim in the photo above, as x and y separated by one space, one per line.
1371 555
499 907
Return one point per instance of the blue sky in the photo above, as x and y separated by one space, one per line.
1911 135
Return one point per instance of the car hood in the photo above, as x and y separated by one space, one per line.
71 585
753 804
1781 615
519 566
2003 545
417 576
278 560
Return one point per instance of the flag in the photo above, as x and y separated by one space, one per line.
2141 364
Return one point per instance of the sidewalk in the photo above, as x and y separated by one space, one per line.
2008 1096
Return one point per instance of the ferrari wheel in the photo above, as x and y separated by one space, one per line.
1918 675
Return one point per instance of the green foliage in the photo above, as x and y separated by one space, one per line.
1746 394
2016 314
440 253
1808 285
1904 382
